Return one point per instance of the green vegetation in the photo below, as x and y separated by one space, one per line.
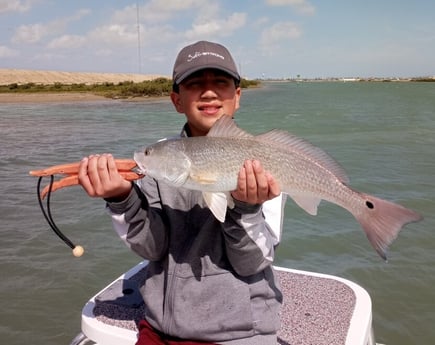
424 79
245 83
127 89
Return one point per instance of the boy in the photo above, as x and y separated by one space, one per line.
207 282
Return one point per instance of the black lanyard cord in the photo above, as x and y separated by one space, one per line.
77 250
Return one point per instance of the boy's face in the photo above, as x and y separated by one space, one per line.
204 97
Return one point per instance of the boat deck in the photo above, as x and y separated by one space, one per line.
317 309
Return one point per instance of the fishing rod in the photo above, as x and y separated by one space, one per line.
76 250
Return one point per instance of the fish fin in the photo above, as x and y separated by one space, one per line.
225 127
217 203
287 141
307 202
203 179
382 220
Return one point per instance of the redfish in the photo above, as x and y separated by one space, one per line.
305 172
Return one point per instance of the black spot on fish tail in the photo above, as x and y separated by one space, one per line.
370 205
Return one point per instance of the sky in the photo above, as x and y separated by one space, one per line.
267 38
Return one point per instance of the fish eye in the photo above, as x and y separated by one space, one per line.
147 151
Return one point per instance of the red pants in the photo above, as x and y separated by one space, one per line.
150 336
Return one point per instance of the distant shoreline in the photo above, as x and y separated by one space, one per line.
22 77
39 77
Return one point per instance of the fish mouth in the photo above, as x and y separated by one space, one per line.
139 158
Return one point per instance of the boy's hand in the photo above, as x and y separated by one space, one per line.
255 185
99 177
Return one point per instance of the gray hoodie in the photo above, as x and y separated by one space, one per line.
206 280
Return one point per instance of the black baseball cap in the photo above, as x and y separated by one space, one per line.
201 55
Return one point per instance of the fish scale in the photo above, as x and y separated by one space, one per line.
293 172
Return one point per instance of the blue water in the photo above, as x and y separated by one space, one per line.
382 133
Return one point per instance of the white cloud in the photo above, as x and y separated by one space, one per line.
14 6
275 36
124 15
209 12
217 27
6 52
261 21
34 33
279 32
156 21
78 15
157 11
161 10
48 56
67 42
165 33
122 27
114 34
178 5
30 33
301 6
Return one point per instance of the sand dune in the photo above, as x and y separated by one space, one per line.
19 76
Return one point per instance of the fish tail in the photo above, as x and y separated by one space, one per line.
382 220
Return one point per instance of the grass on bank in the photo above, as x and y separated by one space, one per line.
127 89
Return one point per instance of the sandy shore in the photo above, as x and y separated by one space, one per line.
19 76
